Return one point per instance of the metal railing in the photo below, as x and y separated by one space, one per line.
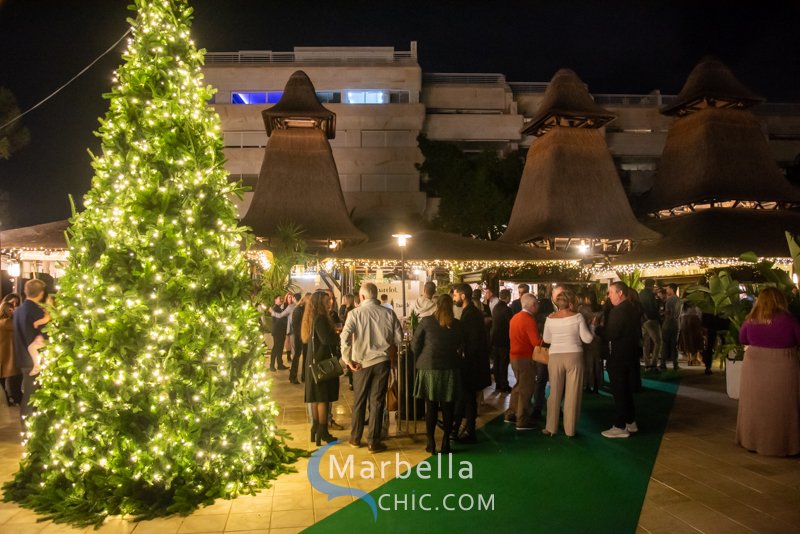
313 57
458 78
649 100
407 412
528 87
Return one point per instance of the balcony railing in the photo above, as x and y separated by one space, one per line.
457 78
315 56
528 87
649 100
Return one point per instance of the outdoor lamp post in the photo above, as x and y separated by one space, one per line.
402 239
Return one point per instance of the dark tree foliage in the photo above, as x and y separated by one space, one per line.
477 191
13 135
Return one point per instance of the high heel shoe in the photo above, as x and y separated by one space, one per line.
313 437
324 435
327 438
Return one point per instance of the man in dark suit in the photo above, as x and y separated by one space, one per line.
475 373
623 331
516 305
501 344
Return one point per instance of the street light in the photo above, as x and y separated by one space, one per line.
402 240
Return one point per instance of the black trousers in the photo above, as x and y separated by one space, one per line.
542 376
12 385
298 351
466 408
669 352
279 340
500 355
623 384
369 386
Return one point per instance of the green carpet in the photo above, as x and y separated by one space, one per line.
539 484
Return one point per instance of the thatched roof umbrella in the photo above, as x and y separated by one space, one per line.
715 150
298 181
570 187
717 233
47 236
431 247
567 102
711 84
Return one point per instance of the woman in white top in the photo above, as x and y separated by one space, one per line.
565 330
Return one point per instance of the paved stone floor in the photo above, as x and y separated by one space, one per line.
702 482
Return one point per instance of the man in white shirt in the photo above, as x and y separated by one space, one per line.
370 333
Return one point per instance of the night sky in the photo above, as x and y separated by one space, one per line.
615 46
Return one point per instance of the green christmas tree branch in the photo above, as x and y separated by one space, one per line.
154 398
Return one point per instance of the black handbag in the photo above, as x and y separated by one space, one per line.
324 370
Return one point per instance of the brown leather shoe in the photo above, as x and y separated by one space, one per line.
355 443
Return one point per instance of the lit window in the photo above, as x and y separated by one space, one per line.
367 96
272 97
256 97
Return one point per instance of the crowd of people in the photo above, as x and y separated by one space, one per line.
467 339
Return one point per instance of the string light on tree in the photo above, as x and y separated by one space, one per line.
154 398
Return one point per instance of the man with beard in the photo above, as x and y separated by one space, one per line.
475 371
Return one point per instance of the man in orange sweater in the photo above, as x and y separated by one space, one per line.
524 335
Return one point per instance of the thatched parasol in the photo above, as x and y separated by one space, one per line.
717 233
47 236
298 182
570 188
711 83
717 155
567 102
299 103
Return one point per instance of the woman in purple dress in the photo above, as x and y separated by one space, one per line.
769 399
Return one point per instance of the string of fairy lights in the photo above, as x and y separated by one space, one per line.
154 331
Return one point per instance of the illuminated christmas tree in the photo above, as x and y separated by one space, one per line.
154 396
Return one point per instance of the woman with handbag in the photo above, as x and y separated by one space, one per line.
438 343
565 330
322 388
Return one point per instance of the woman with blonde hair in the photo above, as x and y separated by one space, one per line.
438 342
768 421
319 333
566 331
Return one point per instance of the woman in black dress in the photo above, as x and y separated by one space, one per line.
438 343
319 333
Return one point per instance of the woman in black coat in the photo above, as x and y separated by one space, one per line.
320 335
438 343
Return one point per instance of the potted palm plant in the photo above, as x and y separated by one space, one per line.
728 299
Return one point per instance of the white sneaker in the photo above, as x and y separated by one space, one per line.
615 432
632 428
